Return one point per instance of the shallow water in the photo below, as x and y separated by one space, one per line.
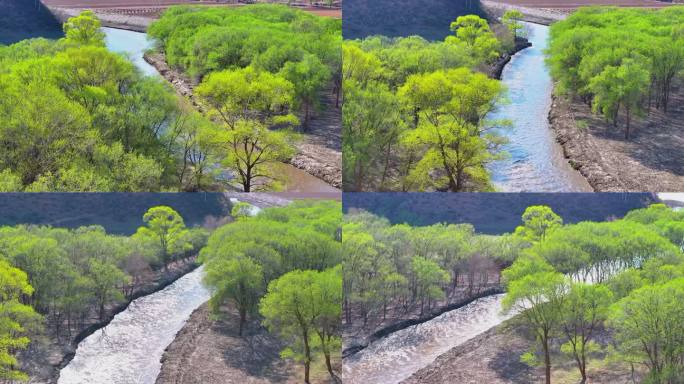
397 356
536 161
129 349
132 44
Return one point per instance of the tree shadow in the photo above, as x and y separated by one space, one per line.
257 352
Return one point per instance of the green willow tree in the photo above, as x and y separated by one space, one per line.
166 229
450 131
300 306
16 319
249 103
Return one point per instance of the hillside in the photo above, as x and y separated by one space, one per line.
403 17
493 213
23 19
119 213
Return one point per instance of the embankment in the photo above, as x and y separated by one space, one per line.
355 341
651 160
108 19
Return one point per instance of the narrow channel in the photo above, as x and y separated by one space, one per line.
134 44
129 349
536 161
396 357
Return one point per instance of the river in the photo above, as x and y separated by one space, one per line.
129 349
536 161
396 357
134 44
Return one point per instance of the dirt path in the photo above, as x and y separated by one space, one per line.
652 160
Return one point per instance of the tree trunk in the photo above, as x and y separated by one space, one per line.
243 319
547 358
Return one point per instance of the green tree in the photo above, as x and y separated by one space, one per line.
429 279
298 306
584 310
235 278
620 87
538 222
539 298
166 227
511 19
649 329
474 32
84 29
450 129
308 76
16 319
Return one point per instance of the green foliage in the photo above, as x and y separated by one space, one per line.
414 113
399 268
249 102
631 261
16 319
301 306
511 19
295 251
474 32
76 117
538 221
271 39
164 228
619 59
69 276
84 29
649 327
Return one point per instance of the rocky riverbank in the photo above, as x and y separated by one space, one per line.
49 353
208 350
357 336
319 153
651 160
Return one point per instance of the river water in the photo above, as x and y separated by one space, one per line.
134 44
396 357
129 349
536 160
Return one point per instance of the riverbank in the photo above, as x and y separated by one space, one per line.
318 154
493 357
652 160
208 350
49 353
357 336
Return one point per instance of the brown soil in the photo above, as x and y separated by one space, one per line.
494 358
651 160
52 351
209 351
319 153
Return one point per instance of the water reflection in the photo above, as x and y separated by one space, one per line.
536 162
